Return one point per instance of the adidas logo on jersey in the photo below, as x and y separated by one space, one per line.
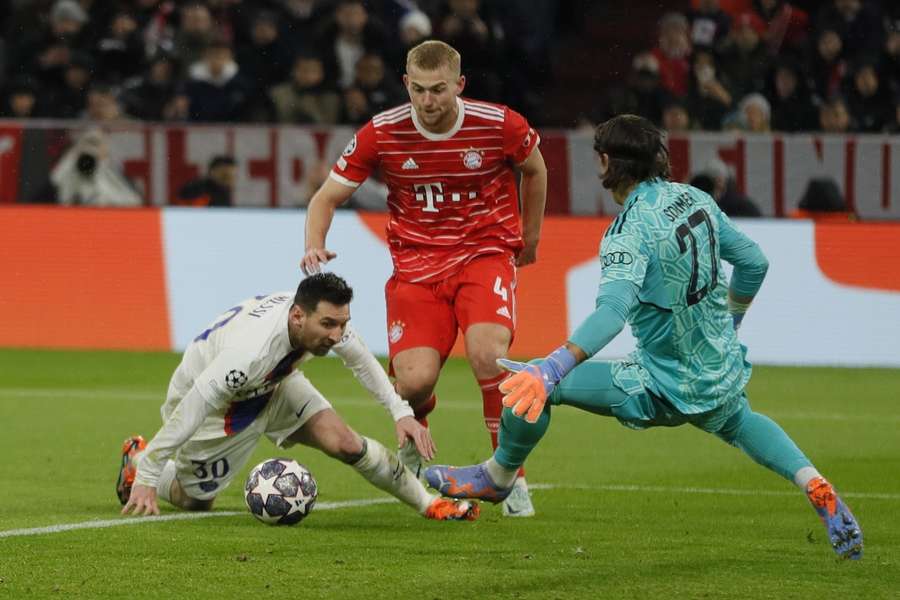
409 164
504 312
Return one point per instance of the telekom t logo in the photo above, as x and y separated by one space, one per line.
432 193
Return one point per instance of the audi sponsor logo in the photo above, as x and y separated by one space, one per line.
617 258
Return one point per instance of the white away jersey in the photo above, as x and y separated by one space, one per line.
230 371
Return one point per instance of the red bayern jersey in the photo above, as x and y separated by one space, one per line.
452 196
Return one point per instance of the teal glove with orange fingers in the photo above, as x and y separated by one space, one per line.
527 389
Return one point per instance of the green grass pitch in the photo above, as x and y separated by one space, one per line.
622 514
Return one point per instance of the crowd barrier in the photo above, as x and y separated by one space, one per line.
277 164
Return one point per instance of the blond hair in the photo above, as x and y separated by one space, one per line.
432 55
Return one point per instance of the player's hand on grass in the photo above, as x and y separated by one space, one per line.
409 429
142 501
314 259
528 255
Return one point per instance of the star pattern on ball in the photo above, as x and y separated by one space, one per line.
266 487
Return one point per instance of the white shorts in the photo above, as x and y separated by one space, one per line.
206 467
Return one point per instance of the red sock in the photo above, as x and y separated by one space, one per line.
492 405
422 411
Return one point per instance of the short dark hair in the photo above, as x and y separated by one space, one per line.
220 160
636 150
322 286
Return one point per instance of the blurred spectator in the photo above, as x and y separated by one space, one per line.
216 91
195 32
414 27
672 53
20 100
45 54
858 25
754 113
350 34
151 97
834 116
266 60
213 189
305 98
708 98
715 179
468 26
371 92
894 125
642 93
676 118
103 107
792 107
822 200
84 176
301 20
709 24
745 61
870 103
120 53
827 67
68 100
787 27
890 57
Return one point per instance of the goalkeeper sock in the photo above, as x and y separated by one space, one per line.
765 442
383 469
803 476
500 475
422 411
518 437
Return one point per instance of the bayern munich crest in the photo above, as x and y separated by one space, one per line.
472 159
396 331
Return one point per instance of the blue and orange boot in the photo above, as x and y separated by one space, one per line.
128 469
843 531
465 482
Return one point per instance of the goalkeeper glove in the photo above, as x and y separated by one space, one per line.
530 385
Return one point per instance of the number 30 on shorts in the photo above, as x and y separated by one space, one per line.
215 469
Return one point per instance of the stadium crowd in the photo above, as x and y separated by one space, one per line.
769 65
285 61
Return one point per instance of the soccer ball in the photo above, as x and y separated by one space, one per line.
280 491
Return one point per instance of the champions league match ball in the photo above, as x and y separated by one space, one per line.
280 491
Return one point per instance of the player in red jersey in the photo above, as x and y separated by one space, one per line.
456 234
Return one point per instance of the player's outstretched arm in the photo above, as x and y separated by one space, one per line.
534 197
529 387
319 215
368 371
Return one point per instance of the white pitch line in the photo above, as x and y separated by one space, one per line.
374 501
187 516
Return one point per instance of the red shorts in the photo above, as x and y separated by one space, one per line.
429 314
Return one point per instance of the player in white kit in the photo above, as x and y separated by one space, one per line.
238 381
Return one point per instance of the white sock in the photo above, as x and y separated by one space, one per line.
804 476
384 470
502 476
166 478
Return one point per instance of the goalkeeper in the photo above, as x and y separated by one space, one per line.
661 274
